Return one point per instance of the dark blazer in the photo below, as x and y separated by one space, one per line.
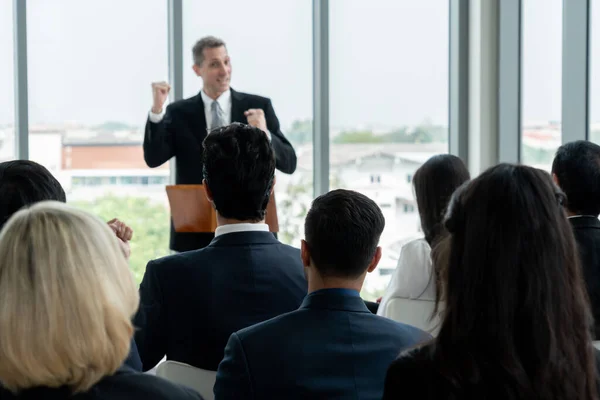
415 375
133 360
192 302
333 347
587 235
180 135
125 384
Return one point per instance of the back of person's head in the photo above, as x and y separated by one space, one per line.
515 307
576 168
434 183
342 231
239 171
67 299
23 183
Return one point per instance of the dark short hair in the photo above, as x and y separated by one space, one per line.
577 167
239 168
515 306
208 42
23 183
342 231
434 183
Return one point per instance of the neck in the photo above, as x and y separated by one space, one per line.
221 221
317 282
212 94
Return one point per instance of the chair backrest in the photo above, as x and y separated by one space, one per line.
198 379
413 312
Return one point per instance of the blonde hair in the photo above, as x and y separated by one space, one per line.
66 299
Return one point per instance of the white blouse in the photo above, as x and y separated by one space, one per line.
413 277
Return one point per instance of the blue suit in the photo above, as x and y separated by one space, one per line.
192 302
333 347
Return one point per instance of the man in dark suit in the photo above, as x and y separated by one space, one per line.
333 347
180 130
191 302
576 170
24 183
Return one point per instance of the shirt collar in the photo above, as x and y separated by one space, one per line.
224 99
242 227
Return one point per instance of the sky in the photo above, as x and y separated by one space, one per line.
92 61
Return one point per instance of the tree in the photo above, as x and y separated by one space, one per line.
293 206
149 221
300 132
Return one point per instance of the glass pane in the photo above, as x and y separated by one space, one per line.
542 80
90 68
389 108
7 100
270 45
595 72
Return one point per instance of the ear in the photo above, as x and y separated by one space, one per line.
555 179
375 260
209 195
304 253
273 186
197 70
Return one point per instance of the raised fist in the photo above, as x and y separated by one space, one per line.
160 92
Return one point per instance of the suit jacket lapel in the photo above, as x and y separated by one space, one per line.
238 107
199 111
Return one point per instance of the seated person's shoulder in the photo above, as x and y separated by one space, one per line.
146 386
408 332
412 367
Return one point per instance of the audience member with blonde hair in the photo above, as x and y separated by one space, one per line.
24 183
67 299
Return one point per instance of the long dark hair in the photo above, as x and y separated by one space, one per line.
434 183
516 322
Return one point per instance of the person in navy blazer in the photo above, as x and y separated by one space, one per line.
576 170
333 347
192 302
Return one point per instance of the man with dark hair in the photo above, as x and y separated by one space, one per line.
576 170
24 183
191 302
333 347
179 130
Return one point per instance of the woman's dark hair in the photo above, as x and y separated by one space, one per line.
434 183
516 322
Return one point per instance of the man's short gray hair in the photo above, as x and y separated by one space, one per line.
207 42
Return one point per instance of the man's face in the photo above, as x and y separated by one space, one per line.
215 70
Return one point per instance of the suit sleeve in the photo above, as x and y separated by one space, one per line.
159 140
233 375
150 335
285 156
133 359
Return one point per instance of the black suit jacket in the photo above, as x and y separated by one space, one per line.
333 347
125 384
416 375
180 135
191 302
587 235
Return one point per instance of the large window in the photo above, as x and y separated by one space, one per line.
7 110
542 81
389 108
595 71
90 68
270 45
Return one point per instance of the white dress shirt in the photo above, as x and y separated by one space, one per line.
224 101
242 227
412 278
